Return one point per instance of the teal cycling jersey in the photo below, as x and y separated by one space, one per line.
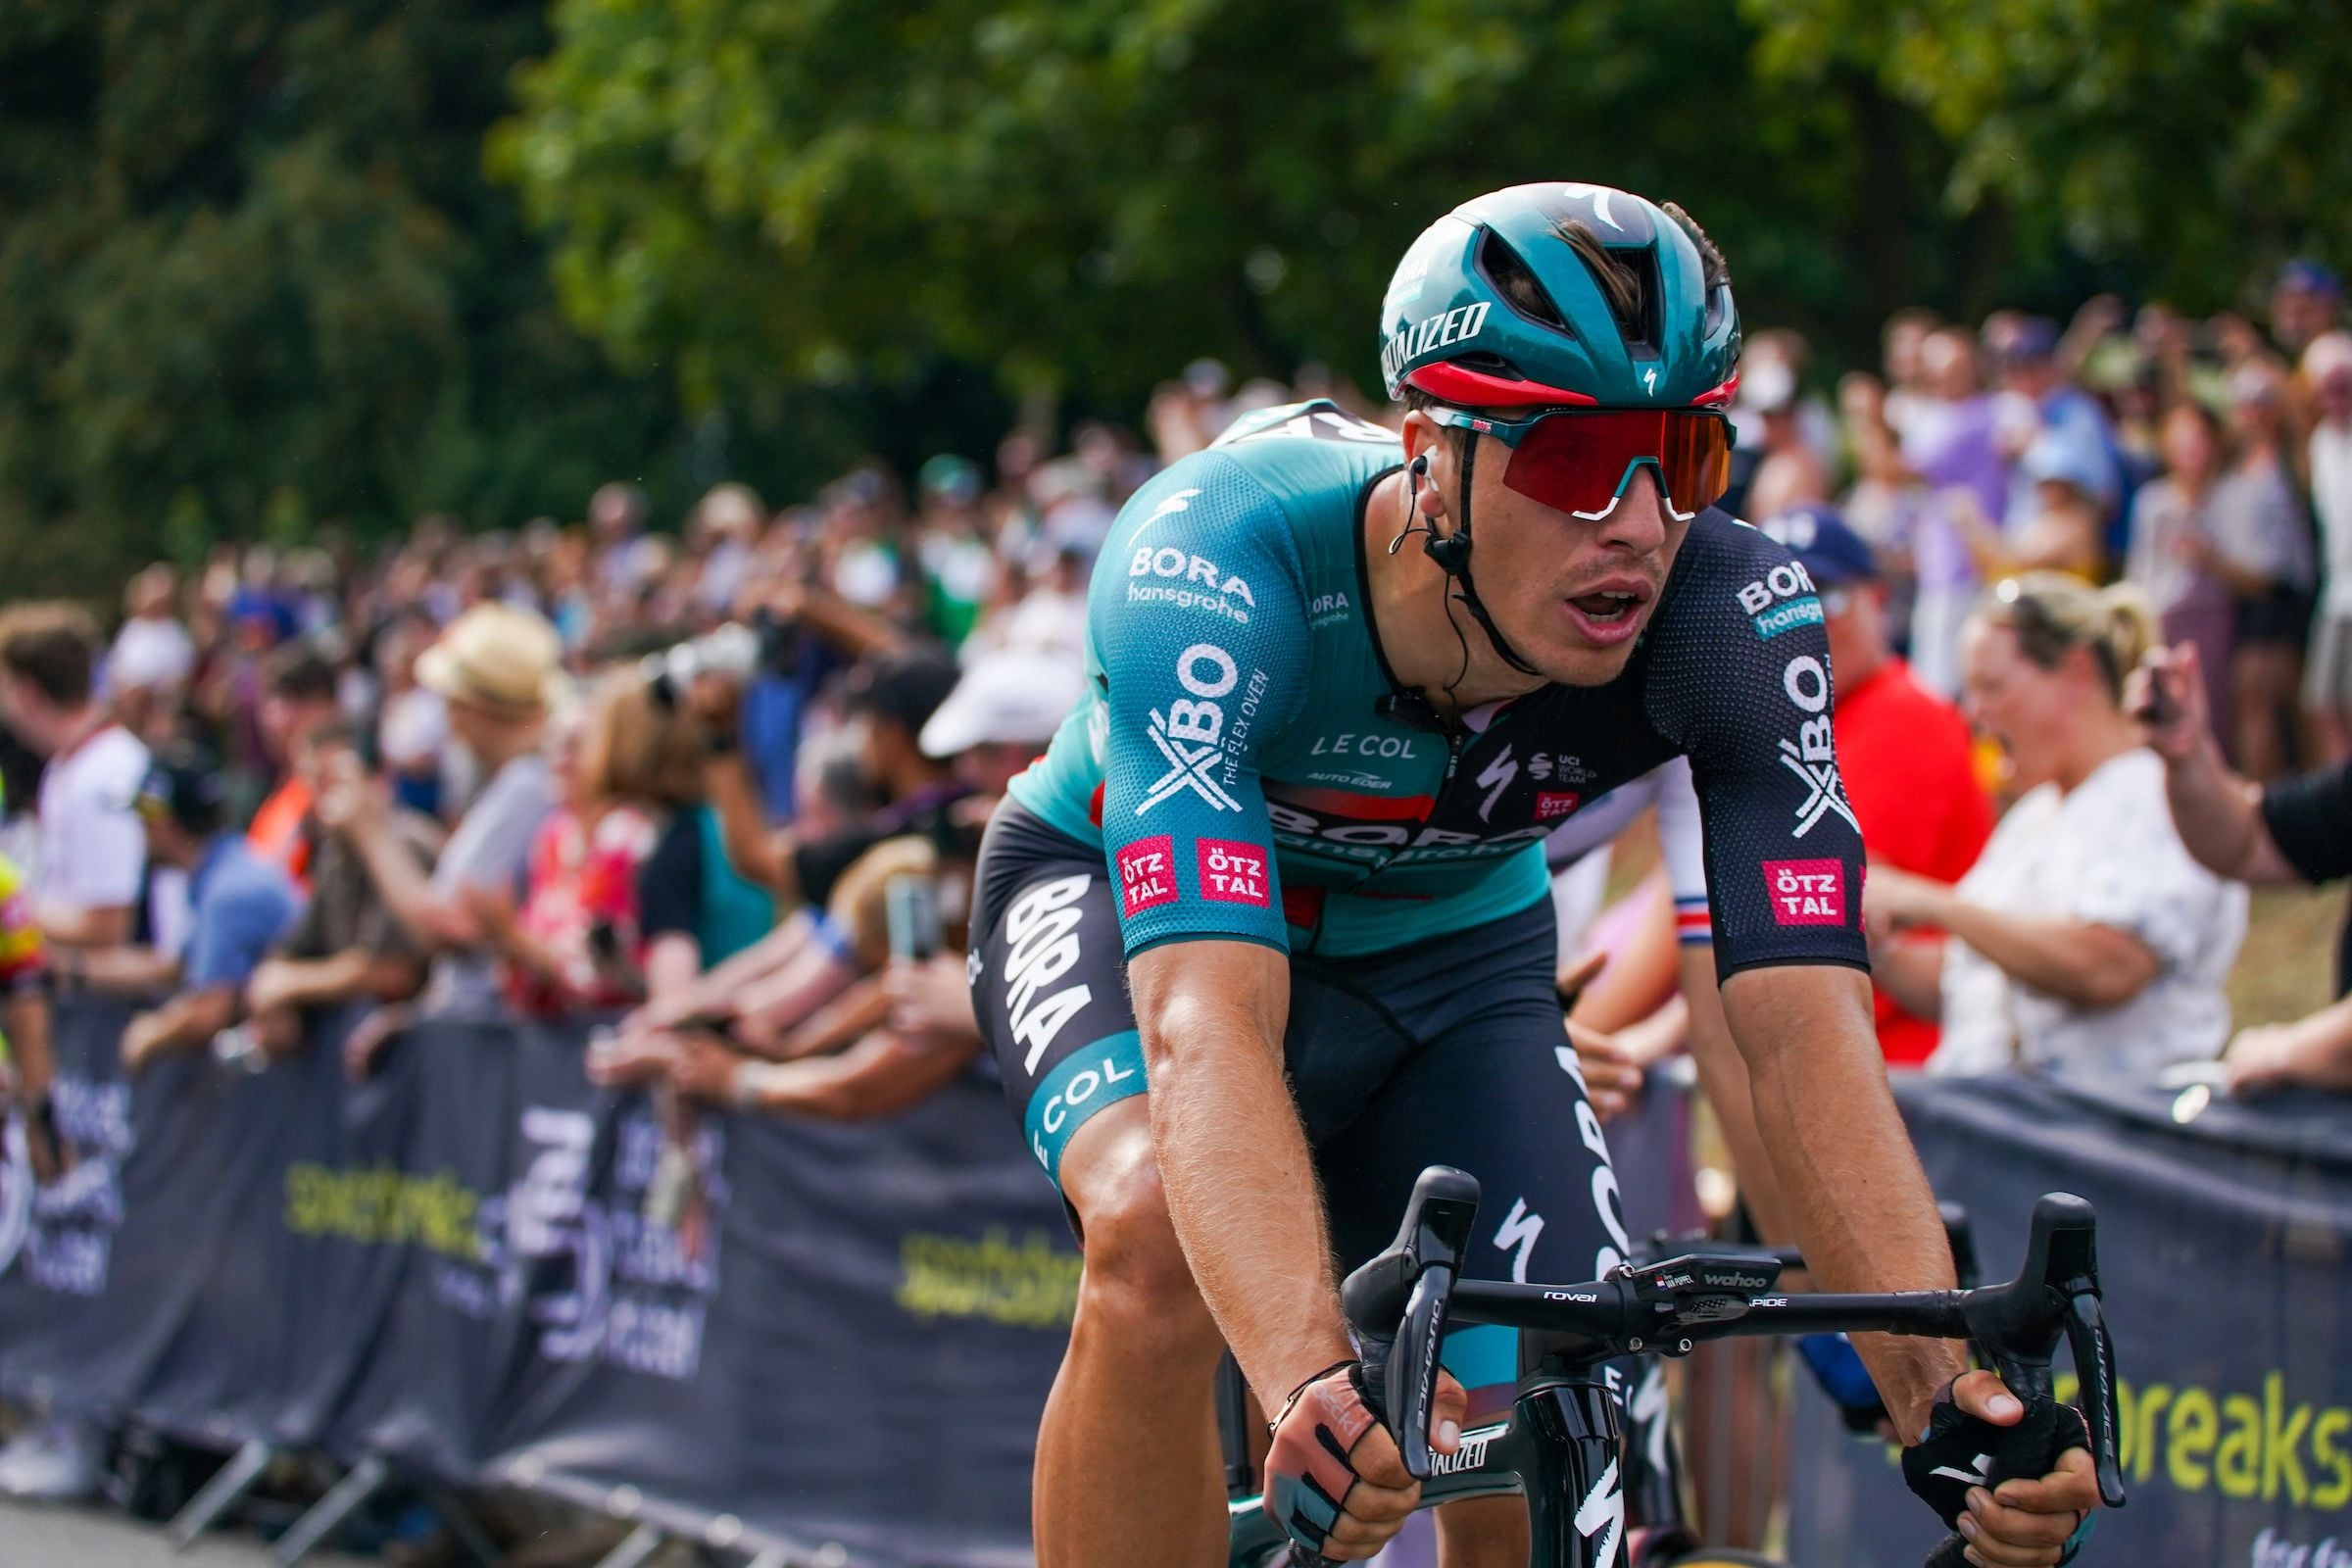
1243 761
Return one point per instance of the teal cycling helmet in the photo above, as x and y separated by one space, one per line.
1495 308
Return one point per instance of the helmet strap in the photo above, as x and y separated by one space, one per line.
1451 553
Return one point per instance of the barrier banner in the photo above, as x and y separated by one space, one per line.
2222 1239
453 1265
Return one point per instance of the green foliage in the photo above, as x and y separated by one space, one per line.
1087 193
2188 144
256 276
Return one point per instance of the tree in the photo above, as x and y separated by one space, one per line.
1085 194
254 269
2188 146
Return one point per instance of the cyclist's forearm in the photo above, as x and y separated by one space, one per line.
1848 1176
1722 1079
1233 1157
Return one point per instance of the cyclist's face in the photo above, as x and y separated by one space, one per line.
1570 594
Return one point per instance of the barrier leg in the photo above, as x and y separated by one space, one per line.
221 1493
341 1501
642 1543
461 1524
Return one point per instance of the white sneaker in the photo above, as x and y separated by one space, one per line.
59 1460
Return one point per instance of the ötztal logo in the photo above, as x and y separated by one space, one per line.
1806 892
1191 734
1147 874
1812 757
1233 873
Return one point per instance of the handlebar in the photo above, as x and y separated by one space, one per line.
1400 1302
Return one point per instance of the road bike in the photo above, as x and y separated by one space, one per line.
1562 1446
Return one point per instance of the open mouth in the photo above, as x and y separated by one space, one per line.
1607 606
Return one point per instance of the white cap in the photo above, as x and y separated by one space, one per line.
1013 696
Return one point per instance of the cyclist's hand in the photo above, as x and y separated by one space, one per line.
2010 1520
1347 1510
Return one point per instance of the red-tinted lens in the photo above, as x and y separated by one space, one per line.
1575 462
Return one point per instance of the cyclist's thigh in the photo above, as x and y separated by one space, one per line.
1048 983
1493 1090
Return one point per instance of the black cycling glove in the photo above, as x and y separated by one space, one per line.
1961 1451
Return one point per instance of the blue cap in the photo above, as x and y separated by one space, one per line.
1830 552
2309 278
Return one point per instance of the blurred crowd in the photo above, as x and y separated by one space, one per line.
719 786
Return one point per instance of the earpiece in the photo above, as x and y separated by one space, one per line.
1452 552
1421 467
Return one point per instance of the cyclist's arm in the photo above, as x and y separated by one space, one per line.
1723 1080
1193 693
1844 1166
1233 1156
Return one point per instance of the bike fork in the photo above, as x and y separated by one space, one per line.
1574 1478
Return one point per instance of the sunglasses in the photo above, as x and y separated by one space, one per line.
1580 461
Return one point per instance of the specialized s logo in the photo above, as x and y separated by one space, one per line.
1191 734
1806 892
1812 757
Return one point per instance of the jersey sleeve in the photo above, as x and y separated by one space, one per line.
1744 693
1682 844
1196 618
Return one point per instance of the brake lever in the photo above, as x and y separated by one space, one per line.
1411 1374
2019 1325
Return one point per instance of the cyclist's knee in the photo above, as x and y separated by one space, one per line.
1135 1267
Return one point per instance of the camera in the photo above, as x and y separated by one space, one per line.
737 651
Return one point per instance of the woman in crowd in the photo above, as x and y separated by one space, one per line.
2264 551
607 919
2085 940
2172 539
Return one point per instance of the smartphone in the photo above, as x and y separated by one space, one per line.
913 910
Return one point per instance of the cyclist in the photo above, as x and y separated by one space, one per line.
1283 865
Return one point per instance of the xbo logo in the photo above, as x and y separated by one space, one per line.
1190 735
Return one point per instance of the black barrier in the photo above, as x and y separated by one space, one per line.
2223 1237
451 1266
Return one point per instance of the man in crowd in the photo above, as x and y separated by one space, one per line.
347 947
894 695
1906 753
91 860
2058 427
239 905
2292 830
298 698
494 667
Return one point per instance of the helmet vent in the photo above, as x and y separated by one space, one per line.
1516 282
1635 308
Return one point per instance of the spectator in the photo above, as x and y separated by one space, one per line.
1950 442
1904 753
494 667
2327 686
2053 430
153 660
2084 941
27 1066
240 905
2174 538
1791 471
2304 301
412 720
2263 550
895 696
91 859
2298 829
301 697
347 947
605 920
